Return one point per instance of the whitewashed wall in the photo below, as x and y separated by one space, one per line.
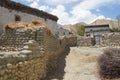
96 28
96 33
8 15
63 32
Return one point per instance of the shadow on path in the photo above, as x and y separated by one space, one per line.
59 73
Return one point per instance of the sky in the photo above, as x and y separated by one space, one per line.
74 11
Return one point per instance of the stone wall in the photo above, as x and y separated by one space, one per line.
29 63
84 41
72 40
27 56
63 32
112 39
26 64
16 38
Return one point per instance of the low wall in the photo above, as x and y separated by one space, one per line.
84 41
26 64
112 39
72 40
32 61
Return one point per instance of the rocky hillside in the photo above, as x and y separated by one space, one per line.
73 28
112 24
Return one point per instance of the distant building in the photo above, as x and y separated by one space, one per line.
11 11
63 32
96 32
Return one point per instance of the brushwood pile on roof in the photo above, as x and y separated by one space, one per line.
36 24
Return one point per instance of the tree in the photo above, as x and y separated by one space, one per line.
114 30
81 30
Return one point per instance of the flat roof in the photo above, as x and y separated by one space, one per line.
95 26
26 9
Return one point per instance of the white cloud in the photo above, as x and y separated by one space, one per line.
63 16
56 2
77 15
33 0
83 15
44 8
81 12
103 17
93 4
30 0
35 4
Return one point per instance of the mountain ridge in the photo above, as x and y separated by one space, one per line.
73 27
112 23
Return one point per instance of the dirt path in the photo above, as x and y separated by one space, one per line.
79 64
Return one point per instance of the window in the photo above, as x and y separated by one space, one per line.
17 18
63 33
60 42
45 19
91 30
58 33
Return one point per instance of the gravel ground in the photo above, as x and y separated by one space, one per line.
79 64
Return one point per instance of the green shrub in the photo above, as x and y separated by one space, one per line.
114 30
81 30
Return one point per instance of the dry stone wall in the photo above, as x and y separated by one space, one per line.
84 41
72 40
26 64
112 39
29 54
32 61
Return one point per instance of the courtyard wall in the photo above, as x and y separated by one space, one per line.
29 57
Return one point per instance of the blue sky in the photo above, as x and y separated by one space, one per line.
73 11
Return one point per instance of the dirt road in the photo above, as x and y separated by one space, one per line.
79 64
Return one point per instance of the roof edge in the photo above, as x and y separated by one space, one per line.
26 9
103 25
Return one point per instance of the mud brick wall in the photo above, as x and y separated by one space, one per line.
84 41
112 39
50 43
34 60
28 64
16 38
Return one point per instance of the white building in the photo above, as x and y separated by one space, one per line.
11 11
63 32
96 32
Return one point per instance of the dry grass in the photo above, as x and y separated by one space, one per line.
88 59
16 24
23 25
39 23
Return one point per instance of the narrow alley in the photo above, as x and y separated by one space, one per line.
79 64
